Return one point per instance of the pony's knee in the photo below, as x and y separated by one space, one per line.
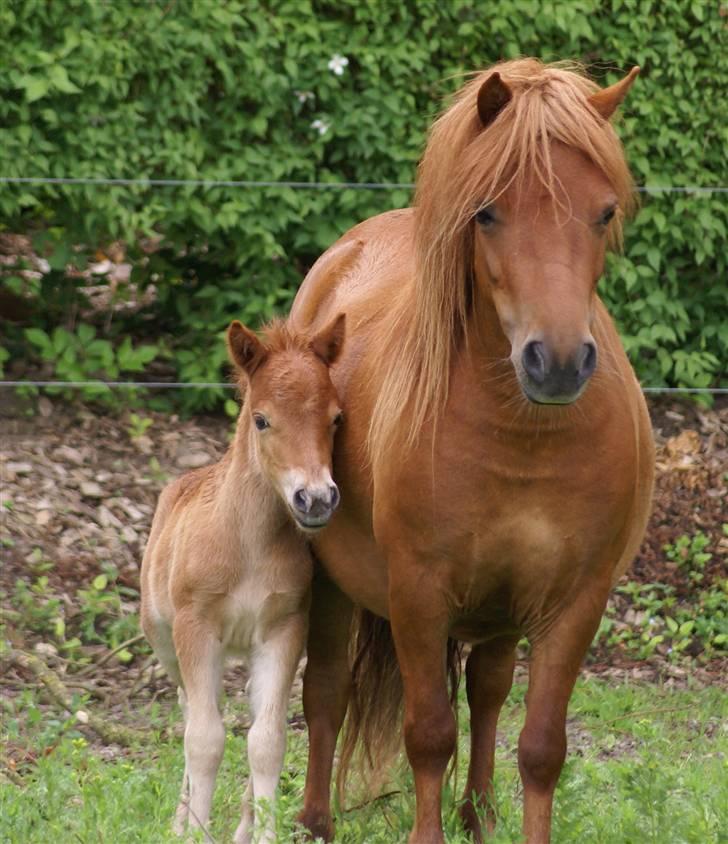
430 735
541 754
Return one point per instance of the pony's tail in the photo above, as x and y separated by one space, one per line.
372 735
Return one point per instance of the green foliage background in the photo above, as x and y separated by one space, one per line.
232 89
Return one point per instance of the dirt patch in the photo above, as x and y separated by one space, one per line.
79 489
690 493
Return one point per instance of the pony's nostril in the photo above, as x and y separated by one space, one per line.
301 500
334 496
534 361
588 361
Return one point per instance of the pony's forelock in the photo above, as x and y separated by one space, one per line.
464 168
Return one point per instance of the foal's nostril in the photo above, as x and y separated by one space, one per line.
588 362
534 361
334 496
302 500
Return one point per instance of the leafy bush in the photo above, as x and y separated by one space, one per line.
230 90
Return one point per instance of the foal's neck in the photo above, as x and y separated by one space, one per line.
249 497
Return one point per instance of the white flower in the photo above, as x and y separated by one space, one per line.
304 96
320 126
337 64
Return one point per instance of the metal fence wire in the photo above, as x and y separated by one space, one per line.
251 184
295 185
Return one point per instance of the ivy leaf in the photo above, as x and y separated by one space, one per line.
36 87
61 82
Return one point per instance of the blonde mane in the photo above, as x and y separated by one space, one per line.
464 168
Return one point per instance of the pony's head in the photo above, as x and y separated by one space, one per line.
539 238
522 187
293 412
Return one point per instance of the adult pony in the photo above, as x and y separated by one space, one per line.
496 479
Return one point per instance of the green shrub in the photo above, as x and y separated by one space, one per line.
241 89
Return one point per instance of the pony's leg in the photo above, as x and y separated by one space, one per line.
273 667
556 658
489 675
201 662
420 622
326 684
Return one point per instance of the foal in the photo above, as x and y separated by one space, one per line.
227 569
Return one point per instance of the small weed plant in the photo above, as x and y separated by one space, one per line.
658 622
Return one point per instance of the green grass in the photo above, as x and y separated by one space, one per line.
646 764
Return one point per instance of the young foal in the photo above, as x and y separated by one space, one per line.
227 572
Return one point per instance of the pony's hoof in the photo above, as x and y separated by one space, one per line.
317 826
471 821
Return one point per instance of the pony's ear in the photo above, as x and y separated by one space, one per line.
493 96
327 343
605 102
245 349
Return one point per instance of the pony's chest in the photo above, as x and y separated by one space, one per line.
512 512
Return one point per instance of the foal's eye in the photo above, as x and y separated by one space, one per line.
261 423
338 419
608 216
485 217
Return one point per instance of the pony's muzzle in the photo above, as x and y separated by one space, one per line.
314 506
546 380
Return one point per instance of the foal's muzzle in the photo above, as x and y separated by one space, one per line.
547 381
313 507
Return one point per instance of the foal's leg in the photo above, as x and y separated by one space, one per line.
273 667
489 676
183 807
201 661
419 619
555 663
160 636
326 684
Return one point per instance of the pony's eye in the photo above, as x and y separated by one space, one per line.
338 419
608 216
261 423
485 217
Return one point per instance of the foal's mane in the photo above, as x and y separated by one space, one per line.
464 168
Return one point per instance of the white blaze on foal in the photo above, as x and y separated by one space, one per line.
227 570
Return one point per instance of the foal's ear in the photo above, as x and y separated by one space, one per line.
493 96
327 343
605 102
245 349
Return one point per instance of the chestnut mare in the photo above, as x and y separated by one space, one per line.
496 479
226 571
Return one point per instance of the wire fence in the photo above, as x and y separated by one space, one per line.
208 385
295 185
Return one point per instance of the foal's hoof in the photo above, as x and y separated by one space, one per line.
317 825
179 824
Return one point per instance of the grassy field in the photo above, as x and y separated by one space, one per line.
646 764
